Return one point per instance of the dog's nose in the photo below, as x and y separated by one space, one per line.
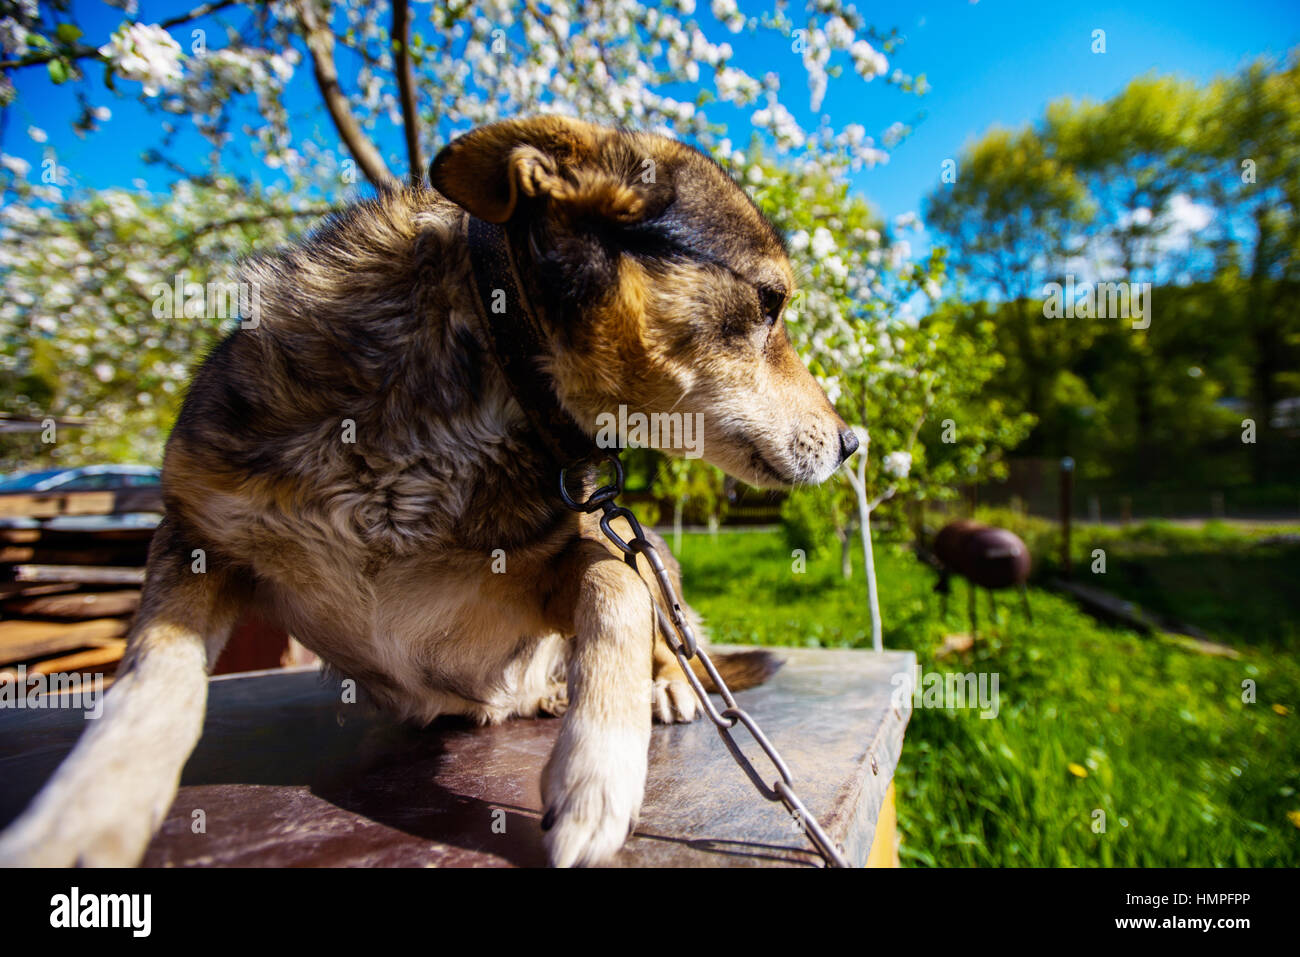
848 443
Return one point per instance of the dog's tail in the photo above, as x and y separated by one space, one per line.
739 669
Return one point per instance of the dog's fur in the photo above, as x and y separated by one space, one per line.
377 554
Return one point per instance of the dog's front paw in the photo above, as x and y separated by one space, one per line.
673 701
592 787
86 838
555 702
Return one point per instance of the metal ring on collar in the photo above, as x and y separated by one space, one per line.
605 493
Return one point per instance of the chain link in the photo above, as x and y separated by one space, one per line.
681 640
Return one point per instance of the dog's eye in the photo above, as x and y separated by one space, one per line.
771 301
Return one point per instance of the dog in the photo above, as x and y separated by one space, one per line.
359 460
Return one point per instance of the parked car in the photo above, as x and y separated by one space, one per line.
86 478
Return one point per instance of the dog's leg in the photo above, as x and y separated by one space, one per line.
595 779
672 699
103 803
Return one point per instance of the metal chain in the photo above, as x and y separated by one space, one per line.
681 640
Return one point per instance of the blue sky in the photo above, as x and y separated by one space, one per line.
987 63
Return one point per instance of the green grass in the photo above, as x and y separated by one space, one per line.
1185 772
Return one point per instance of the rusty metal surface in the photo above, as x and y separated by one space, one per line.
288 775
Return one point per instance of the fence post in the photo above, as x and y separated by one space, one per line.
1067 494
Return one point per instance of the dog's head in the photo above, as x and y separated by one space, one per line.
664 285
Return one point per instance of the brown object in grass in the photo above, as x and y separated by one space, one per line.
986 556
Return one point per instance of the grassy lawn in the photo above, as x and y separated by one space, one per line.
1092 718
1235 582
1240 588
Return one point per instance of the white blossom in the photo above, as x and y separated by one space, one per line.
16 165
867 62
13 37
145 53
897 465
822 242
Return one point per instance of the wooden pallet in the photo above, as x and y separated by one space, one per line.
67 596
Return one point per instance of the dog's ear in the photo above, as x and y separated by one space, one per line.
551 158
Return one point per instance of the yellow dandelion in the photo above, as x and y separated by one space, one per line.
1281 709
1078 770
1293 817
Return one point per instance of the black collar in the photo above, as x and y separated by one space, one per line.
513 326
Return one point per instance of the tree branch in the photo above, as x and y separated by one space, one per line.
202 11
83 52
401 40
320 43
79 52
247 220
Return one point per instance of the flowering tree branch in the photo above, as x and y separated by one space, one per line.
72 298
80 51
320 43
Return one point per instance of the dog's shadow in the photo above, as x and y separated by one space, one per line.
349 785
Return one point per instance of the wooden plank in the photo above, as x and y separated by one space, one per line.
84 574
128 553
20 640
1102 604
1109 606
12 422
9 589
49 505
78 605
75 537
93 660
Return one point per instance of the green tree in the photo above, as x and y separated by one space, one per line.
1137 156
1192 189
1253 139
688 482
1014 214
